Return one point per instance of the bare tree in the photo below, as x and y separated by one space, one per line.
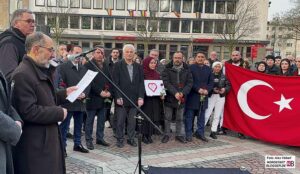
240 23
57 18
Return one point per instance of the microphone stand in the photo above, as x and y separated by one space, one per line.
139 117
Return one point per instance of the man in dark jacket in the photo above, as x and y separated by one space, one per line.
178 82
10 130
71 73
100 90
272 68
197 99
129 77
12 41
40 148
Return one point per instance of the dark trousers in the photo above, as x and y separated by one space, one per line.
90 124
64 126
122 113
189 117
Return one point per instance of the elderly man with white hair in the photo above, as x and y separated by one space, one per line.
129 77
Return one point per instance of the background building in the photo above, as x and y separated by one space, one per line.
167 25
283 40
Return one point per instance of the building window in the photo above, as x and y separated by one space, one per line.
51 3
63 3
131 4
74 43
39 2
289 44
187 6
97 23
153 5
142 4
163 25
51 21
109 4
108 23
174 26
197 25
164 5
173 49
98 4
220 9
119 24
218 50
209 6
176 4
63 21
85 22
130 24
85 46
120 4
208 27
162 51
141 24
231 7
288 53
74 4
184 49
86 3
219 27
279 36
198 6
40 19
185 26
140 50
74 22
151 47
152 25
229 27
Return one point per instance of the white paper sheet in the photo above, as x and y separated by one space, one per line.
154 87
84 82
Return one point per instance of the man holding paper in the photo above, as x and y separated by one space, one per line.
71 73
40 148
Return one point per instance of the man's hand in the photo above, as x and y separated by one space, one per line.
71 89
81 96
222 91
103 94
120 101
65 113
201 91
140 102
205 92
178 96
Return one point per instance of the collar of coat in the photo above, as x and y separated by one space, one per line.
170 65
36 68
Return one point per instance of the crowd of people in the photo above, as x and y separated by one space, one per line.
36 78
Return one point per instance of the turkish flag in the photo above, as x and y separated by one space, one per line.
262 106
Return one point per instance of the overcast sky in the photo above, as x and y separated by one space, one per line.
279 6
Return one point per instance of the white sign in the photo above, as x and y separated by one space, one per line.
154 87
84 82
287 161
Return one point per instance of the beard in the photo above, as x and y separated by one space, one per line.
236 60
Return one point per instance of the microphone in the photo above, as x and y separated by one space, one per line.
76 56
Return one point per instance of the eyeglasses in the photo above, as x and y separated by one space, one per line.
49 49
29 21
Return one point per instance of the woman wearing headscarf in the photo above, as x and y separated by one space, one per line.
285 68
261 67
151 105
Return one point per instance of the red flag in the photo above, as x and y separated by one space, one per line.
263 106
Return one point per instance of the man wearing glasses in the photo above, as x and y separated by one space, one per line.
12 41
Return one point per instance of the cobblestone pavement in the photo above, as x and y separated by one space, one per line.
225 152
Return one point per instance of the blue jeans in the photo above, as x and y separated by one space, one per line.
89 124
189 115
64 126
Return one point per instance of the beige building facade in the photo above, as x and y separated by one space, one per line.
186 25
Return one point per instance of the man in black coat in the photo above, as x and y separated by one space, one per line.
12 41
40 148
71 73
10 130
129 77
178 82
272 68
99 92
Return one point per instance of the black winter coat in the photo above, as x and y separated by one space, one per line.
94 100
12 50
70 76
40 148
134 89
173 84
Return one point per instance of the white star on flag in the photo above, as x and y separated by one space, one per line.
284 103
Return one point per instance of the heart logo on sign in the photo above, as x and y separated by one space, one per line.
152 87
